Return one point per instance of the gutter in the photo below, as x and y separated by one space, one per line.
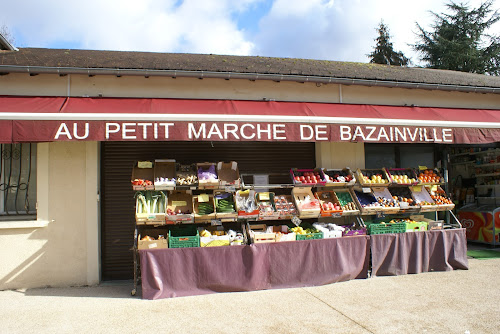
247 76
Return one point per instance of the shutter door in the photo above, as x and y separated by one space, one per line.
117 206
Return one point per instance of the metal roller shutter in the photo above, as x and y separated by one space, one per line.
117 221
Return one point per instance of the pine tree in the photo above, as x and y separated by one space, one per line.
459 41
384 52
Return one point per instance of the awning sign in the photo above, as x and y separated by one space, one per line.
36 131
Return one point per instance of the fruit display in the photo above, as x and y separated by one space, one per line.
372 177
402 176
338 176
329 230
367 200
429 176
345 201
423 198
307 177
300 230
207 176
402 195
328 203
440 198
284 206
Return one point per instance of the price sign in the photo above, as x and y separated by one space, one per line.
336 214
296 221
380 215
367 190
230 189
215 222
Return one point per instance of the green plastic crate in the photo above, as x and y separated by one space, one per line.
309 236
377 228
183 236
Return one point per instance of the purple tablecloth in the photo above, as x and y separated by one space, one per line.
416 252
178 272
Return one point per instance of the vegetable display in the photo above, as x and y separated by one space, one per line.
151 202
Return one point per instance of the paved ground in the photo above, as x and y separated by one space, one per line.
460 301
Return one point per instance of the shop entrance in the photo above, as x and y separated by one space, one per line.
117 197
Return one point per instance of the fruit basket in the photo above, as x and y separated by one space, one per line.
404 176
181 236
372 177
306 233
423 198
367 202
443 202
346 202
307 177
329 203
429 176
387 203
405 198
338 177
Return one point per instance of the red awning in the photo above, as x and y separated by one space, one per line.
34 119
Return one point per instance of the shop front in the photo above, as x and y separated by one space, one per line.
266 139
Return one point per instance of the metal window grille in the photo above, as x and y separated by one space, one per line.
18 181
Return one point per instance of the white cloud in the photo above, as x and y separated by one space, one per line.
151 25
319 29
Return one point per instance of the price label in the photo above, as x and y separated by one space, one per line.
215 222
203 198
422 167
380 215
336 214
230 189
367 190
296 221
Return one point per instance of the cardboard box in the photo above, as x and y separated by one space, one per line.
164 169
282 233
183 201
145 218
219 237
225 216
203 169
143 170
150 244
197 200
307 205
228 174
246 196
186 177
347 197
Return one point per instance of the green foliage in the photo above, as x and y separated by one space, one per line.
459 41
384 52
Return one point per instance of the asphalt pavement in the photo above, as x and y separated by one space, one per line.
460 301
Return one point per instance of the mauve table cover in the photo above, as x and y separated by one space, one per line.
416 252
176 272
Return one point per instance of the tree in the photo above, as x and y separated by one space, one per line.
459 41
384 52
5 32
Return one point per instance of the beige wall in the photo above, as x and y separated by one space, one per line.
65 252
163 87
340 155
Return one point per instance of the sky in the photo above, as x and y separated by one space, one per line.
341 30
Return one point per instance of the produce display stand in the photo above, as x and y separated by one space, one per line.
260 241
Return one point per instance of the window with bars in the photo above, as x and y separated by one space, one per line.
18 181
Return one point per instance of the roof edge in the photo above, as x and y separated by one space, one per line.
4 42
248 76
